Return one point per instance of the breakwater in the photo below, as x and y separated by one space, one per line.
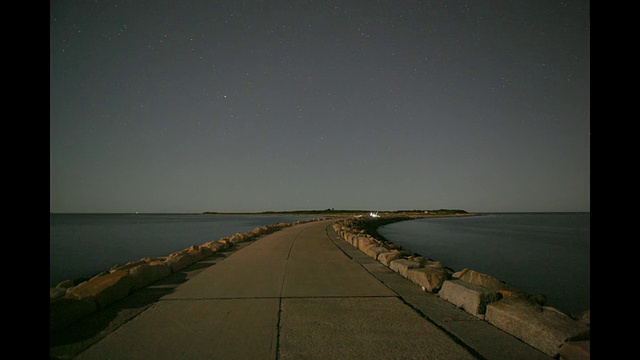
515 312
73 300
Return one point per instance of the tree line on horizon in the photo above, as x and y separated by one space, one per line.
334 211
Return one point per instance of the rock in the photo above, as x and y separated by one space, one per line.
402 265
420 260
575 350
488 282
429 278
181 259
584 316
257 231
392 246
364 243
386 258
405 252
104 289
145 274
375 251
66 284
353 239
237 238
470 297
56 293
538 299
225 242
214 246
542 327
127 266
481 279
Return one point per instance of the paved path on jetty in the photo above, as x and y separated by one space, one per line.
301 293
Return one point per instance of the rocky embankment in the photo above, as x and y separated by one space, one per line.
517 313
522 315
70 301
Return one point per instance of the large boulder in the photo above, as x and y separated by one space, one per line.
181 259
352 239
488 282
257 231
365 242
402 265
479 278
430 277
147 273
104 289
386 258
56 293
127 266
542 327
214 246
238 238
375 251
66 284
470 297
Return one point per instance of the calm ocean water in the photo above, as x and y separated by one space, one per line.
82 245
539 253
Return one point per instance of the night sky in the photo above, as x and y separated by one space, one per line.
250 106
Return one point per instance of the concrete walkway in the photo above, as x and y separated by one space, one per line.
301 293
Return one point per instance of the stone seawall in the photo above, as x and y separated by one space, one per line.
522 315
70 302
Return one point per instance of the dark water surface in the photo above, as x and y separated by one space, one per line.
82 245
539 253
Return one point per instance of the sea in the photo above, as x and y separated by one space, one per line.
83 245
538 253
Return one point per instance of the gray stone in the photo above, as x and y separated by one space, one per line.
470 297
544 328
